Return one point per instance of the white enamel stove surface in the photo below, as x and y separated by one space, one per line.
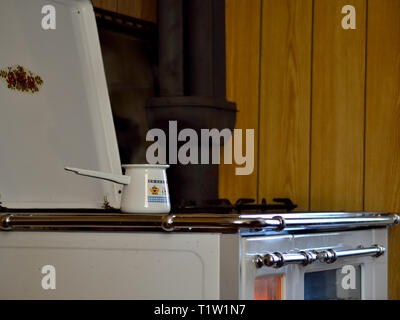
156 265
120 265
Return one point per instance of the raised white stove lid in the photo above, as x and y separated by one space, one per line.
68 122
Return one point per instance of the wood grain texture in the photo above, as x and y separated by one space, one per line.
337 108
110 5
242 64
141 9
382 162
285 100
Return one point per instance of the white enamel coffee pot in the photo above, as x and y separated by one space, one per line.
145 187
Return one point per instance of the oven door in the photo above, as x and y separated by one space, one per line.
341 265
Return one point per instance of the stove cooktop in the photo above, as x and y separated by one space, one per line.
222 206
242 206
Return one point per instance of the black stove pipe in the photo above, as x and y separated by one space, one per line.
205 39
192 88
170 48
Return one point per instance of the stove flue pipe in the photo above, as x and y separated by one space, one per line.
192 88
170 48
191 48
205 49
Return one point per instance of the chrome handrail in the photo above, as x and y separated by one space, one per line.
196 222
278 260
168 222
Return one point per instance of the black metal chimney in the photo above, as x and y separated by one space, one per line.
192 87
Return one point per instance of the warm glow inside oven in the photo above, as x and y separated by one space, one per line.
268 287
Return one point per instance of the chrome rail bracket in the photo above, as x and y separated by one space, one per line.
282 225
167 222
381 250
309 257
5 224
327 256
258 261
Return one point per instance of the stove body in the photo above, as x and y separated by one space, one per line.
194 256
64 237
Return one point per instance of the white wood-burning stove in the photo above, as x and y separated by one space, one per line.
62 237
195 256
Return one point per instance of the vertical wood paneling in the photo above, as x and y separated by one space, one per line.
110 5
337 108
285 100
382 162
242 65
142 9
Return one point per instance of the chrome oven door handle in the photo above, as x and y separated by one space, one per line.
278 259
330 255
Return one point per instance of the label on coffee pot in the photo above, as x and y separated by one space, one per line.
157 191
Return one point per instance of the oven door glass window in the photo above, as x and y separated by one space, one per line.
336 284
268 288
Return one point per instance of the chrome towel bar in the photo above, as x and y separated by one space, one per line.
277 260
196 222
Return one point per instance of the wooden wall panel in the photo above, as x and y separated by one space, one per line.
337 108
285 100
142 9
382 162
242 64
110 5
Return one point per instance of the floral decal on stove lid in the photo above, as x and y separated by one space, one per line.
21 79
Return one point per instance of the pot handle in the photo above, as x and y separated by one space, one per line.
117 178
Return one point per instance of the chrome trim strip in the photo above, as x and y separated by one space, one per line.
196 222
